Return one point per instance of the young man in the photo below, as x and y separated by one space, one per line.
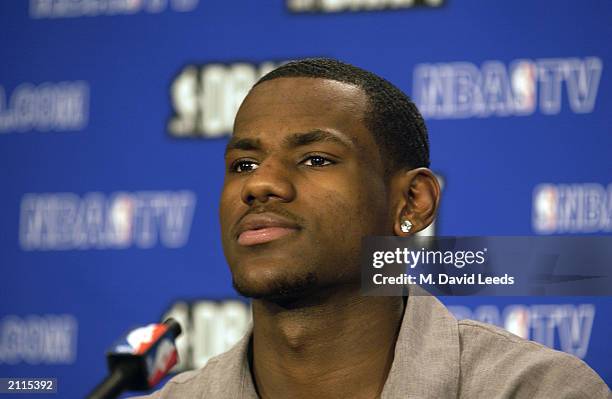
322 155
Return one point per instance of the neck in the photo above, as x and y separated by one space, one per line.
339 344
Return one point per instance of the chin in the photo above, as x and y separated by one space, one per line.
275 286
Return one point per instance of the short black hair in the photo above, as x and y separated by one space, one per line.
392 118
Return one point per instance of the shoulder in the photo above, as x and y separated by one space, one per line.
496 364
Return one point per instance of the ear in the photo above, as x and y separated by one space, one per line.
416 195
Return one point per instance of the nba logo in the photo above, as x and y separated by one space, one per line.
544 213
523 78
121 215
517 321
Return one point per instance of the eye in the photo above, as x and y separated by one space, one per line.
317 160
242 166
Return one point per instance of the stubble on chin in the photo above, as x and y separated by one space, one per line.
280 289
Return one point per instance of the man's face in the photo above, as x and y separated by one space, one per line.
304 183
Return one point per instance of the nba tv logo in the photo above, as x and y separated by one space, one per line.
574 208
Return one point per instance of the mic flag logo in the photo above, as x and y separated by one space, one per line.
155 343
165 359
141 339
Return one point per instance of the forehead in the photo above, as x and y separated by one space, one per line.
289 105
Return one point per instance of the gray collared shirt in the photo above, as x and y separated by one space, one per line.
436 356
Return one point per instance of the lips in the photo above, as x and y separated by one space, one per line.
262 228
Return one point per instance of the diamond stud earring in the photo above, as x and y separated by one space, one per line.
406 226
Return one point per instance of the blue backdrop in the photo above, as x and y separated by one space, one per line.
114 115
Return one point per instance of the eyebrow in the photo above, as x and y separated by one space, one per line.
294 140
243 144
316 136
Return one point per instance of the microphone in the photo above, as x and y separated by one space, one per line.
140 359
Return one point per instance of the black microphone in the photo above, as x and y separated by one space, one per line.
139 360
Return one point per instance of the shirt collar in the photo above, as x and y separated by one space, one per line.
427 358
425 364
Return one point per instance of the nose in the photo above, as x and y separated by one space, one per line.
270 181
